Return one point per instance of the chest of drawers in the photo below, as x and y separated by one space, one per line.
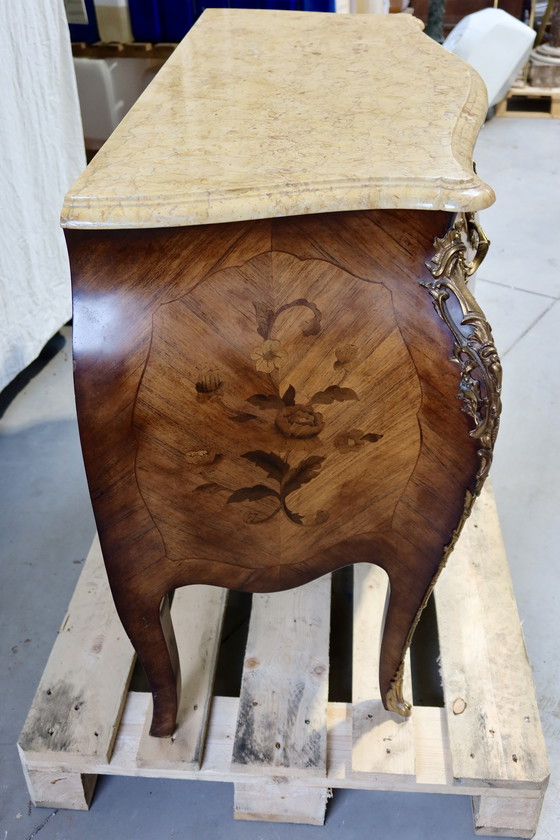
272 322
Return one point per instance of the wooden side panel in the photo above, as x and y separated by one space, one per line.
197 613
493 719
261 403
282 722
76 711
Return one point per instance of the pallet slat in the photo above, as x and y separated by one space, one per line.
197 613
77 707
383 742
431 747
284 691
492 714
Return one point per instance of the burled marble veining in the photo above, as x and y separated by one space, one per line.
262 114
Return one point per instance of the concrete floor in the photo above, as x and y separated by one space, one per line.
46 528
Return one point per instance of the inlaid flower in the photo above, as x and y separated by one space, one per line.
345 354
349 441
209 382
269 356
201 457
299 421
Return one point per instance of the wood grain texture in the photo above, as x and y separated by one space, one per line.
261 403
383 742
492 713
500 816
60 789
282 722
280 800
76 711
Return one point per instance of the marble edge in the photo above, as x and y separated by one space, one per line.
189 210
467 129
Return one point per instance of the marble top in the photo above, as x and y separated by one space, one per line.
261 114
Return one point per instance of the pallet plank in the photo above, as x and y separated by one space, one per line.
431 746
282 724
280 799
76 710
197 613
383 742
494 727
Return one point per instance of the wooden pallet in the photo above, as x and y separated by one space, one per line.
281 743
530 102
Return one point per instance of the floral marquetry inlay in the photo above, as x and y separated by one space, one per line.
289 429
292 417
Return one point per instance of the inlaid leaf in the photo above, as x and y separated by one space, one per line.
294 517
306 471
265 316
243 417
211 487
371 438
252 494
263 401
271 463
289 397
334 393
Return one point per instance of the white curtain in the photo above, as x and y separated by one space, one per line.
41 153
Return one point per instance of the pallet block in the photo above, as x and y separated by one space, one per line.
530 102
281 743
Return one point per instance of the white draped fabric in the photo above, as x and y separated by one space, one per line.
41 153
